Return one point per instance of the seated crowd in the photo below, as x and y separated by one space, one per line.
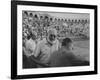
42 46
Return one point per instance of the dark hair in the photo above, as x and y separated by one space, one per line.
28 36
66 41
46 17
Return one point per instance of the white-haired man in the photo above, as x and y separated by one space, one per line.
46 47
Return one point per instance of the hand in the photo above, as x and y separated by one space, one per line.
26 52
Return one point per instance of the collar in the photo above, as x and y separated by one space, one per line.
48 43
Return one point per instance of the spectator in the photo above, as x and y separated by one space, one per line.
30 45
65 57
28 50
46 47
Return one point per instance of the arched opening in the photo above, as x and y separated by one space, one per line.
50 19
75 20
31 15
35 16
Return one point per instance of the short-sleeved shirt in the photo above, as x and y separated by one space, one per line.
44 50
30 47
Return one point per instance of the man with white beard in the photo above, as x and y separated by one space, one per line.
46 47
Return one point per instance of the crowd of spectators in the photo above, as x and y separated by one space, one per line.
39 25
43 35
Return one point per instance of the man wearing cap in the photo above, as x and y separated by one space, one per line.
47 46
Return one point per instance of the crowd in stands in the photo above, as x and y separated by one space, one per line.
43 35
39 25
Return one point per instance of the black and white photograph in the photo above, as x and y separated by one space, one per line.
53 39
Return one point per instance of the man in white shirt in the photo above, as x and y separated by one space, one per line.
28 50
46 47
30 45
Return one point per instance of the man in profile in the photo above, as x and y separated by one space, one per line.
65 57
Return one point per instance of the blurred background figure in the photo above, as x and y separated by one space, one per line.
28 50
65 57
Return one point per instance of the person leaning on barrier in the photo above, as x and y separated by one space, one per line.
65 57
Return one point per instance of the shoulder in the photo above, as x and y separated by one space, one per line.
42 41
27 42
56 53
30 41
